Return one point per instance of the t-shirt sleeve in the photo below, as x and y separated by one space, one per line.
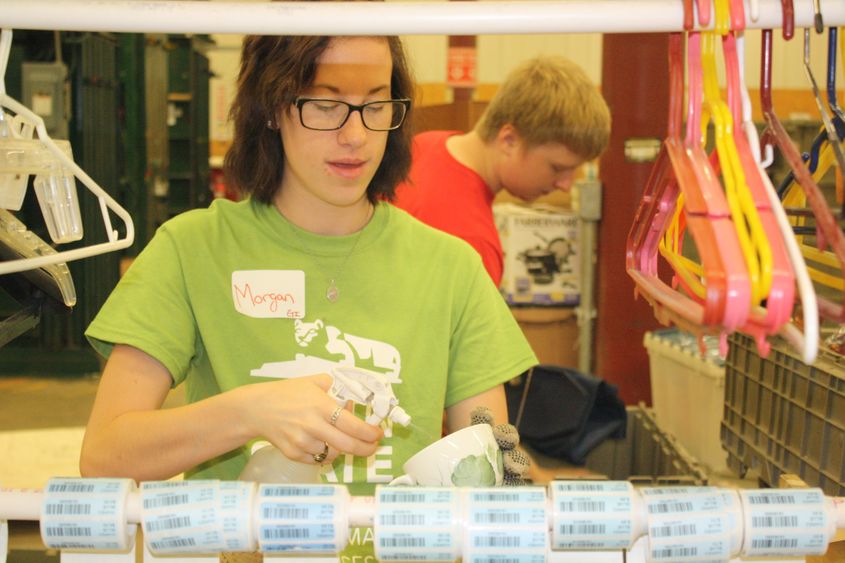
150 309
487 347
490 256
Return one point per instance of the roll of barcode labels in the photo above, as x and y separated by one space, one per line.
505 524
595 515
689 524
204 516
308 519
417 523
786 522
87 514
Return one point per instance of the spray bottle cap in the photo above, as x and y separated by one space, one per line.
399 416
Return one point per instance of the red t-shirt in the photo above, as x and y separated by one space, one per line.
445 194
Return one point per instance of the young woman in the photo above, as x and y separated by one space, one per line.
251 303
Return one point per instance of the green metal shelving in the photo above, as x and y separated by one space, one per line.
188 131
57 345
139 126
143 78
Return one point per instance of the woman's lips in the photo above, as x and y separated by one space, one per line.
347 168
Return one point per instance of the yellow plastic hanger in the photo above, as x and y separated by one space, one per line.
753 242
689 271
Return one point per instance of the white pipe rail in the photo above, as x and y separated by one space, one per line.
380 18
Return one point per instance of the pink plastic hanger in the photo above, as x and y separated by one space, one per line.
768 319
712 204
672 174
703 12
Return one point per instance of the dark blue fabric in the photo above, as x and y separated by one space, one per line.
567 413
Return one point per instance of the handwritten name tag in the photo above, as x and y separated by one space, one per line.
269 293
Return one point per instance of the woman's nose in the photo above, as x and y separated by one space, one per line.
353 131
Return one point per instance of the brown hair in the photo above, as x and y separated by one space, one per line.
550 100
274 71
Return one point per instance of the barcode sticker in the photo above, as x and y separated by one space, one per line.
429 517
417 521
504 559
591 486
785 522
418 556
668 501
423 539
86 514
203 516
308 519
592 515
688 524
509 539
416 495
288 511
290 546
513 495
504 524
284 491
507 516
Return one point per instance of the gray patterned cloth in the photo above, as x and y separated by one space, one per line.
516 462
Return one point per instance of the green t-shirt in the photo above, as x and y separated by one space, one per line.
219 297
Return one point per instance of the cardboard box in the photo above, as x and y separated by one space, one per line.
552 333
542 254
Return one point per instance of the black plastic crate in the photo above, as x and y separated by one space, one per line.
783 416
646 455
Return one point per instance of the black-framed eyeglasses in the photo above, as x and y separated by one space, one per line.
328 115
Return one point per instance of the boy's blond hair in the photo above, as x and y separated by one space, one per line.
550 99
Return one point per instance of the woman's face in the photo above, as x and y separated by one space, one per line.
334 168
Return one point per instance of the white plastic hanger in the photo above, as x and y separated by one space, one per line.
808 342
22 126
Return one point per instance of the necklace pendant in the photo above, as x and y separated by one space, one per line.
332 293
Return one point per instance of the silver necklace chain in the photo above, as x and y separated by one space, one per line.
332 291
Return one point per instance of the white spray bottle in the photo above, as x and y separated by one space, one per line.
268 465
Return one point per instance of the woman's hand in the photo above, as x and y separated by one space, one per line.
130 435
295 415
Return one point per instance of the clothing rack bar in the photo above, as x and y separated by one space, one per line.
380 18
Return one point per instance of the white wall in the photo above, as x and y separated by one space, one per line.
498 54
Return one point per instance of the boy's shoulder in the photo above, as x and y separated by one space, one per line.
428 139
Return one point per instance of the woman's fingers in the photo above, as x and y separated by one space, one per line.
302 427
350 434
323 381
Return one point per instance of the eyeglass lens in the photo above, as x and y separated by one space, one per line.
330 114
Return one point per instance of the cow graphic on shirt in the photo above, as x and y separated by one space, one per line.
327 346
